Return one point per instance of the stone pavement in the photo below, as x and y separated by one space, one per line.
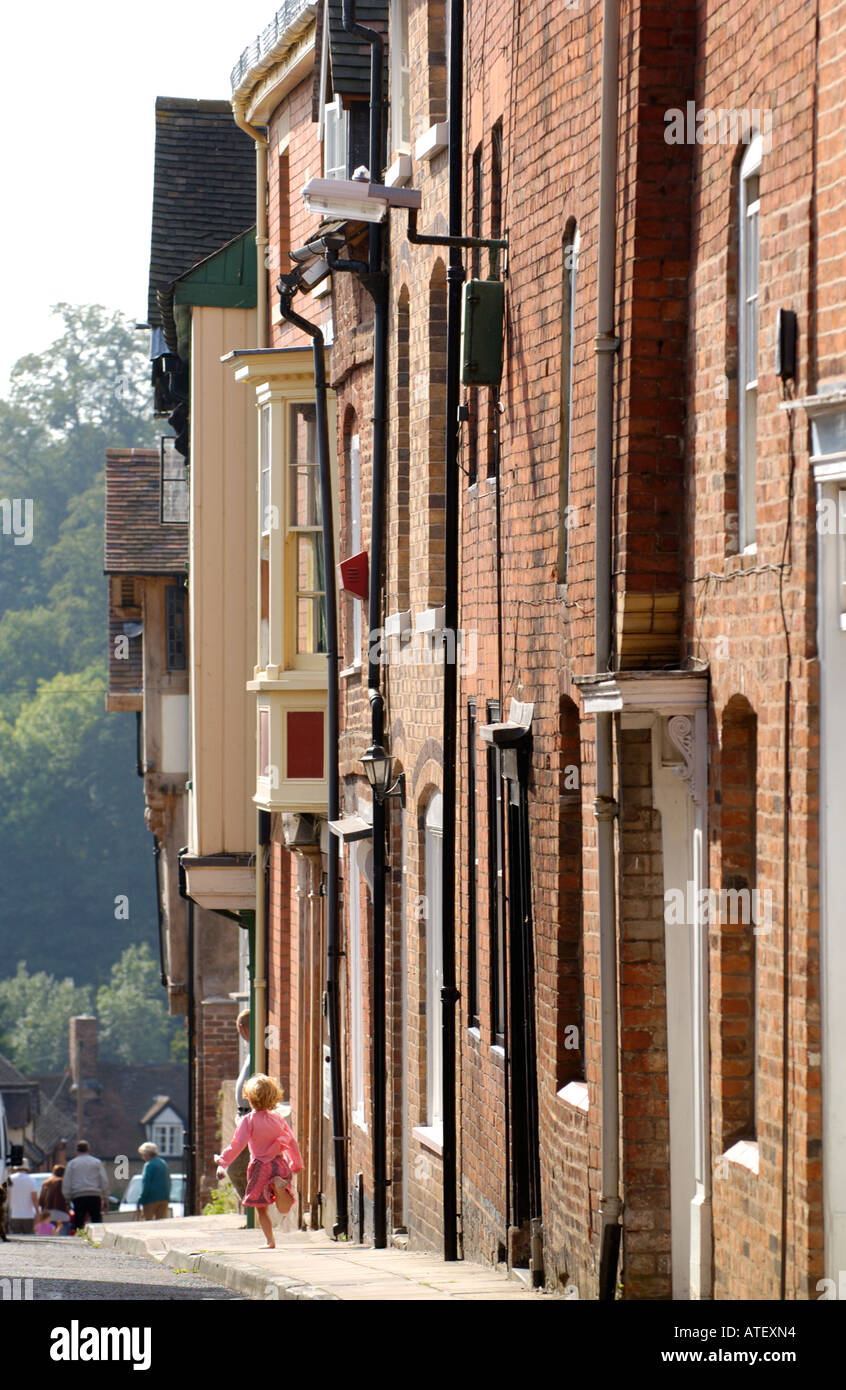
307 1264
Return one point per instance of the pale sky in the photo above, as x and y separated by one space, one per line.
80 83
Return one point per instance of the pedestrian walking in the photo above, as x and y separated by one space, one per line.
23 1201
52 1200
274 1153
154 1197
237 1172
86 1185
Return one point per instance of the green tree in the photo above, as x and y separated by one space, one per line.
71 810
134 1024
34 1014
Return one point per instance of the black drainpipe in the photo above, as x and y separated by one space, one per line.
376 284
455 280
333 798
190 1146
157 854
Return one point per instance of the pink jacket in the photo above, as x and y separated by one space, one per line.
267 1135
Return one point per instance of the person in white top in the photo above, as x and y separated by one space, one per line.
23 1202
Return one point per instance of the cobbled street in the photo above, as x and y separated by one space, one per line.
67 1268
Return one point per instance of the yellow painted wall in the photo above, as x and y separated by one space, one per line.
222 587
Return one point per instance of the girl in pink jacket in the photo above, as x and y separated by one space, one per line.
274 1153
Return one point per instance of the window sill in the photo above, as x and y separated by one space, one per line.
354 670
399 172
474 1032
575 1096
744 1154
435 139
431 1137
359 1120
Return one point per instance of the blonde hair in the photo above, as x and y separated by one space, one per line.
262 1092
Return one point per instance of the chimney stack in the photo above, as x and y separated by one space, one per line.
83 1048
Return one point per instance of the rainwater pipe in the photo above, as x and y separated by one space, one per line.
333 1007
260 137
605 806
376 284
258 1002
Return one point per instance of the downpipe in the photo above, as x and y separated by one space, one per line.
376 284
605 806
339 1143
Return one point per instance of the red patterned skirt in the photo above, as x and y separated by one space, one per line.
260 1175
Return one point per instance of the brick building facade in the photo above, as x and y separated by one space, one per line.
682 247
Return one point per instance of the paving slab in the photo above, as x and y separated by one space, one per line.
308 1265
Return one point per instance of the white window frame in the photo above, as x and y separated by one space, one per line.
336 139
571 251
356 991
400 79
355 542
433 860
165 1137
749 255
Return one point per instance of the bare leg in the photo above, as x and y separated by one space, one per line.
267 1229
284 1200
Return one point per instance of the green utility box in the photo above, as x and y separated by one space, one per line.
482 317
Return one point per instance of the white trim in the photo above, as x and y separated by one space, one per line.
745 1154
575 1094
667 694
431 1137
430 620
399 173
432 141
433 874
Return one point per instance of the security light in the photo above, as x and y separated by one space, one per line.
356 199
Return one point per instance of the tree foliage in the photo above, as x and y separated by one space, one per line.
72 834
35 1011
134 1024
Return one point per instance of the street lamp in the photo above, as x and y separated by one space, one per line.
377 769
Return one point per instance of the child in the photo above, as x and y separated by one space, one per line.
43 1225
274 1153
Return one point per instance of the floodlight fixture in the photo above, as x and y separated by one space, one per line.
356 199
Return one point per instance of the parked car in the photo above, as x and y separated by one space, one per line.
129 1201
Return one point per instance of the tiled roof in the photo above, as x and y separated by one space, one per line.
113 1122
203 190
9 1075
136 540
350 55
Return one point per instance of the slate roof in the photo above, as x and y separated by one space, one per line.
10 1076
203 188
349 56
113 1122
136 540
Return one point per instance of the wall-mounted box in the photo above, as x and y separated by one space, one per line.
482 319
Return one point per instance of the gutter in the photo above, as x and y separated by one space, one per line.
605 806
376 284
455 280
239 106
333 1002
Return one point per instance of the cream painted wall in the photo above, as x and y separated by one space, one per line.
222 587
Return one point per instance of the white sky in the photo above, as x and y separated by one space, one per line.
76 145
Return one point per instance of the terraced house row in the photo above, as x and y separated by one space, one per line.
503 350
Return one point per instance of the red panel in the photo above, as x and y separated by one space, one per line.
305 743
354 572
